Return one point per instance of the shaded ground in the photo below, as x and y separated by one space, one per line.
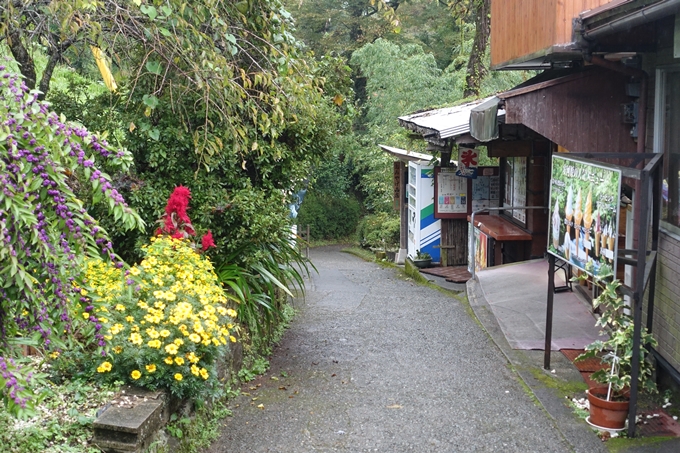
376 363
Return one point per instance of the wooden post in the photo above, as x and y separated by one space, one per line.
549 311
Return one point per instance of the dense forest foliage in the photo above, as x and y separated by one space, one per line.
404 57
255 110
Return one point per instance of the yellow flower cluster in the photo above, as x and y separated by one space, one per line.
170 307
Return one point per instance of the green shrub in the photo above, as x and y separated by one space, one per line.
329 217
379 230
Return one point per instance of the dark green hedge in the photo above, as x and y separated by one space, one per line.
329 217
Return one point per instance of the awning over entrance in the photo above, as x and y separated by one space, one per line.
406 155
436 126
581 110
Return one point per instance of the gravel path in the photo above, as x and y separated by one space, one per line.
376 363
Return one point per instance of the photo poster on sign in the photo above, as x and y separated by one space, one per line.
451 194
584 214
480 249
519 184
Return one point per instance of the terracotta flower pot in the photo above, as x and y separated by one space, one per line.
607 414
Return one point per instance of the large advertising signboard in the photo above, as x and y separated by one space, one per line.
584 218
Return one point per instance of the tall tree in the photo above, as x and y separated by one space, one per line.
332 27
480 12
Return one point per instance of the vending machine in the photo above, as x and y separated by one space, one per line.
424 231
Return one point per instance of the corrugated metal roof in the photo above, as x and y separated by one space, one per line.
403 154
443 123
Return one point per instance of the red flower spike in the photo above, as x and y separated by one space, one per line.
176 219
207 241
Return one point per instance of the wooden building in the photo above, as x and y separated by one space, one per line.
611 84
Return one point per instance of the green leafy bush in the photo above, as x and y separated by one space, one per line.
329 217
379 231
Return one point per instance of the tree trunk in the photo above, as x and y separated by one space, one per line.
476 69
22 57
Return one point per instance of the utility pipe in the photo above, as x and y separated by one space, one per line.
649 13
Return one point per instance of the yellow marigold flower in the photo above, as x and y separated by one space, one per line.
104 367
195 370
54 354
231 313
130 319
157 281
195 338
156 344
118 349
223 340
168 360
204 373
206 342
86 315
165 333
151 368
171 349
142 304
135 271
135 338
232 338
151 332
136 374
83 292
179 361
120 307
178 376
215 341
178 341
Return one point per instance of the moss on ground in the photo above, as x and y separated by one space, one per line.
623 444
562 386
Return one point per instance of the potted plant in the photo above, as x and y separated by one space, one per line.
422 260
609 401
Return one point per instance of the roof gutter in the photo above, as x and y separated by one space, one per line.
649 13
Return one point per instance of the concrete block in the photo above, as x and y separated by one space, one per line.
130 422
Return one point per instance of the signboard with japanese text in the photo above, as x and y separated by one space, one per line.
468 159
396 184
451 194
456 197
486 189
584 220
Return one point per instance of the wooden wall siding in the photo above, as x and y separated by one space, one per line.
523 27
582 115
454 242
666 325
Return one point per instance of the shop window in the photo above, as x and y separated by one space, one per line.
516 187
667 141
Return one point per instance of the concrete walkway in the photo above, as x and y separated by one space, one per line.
375 363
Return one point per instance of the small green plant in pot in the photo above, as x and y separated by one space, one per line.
609 402
422 259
